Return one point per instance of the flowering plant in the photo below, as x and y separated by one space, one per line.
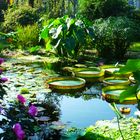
18 120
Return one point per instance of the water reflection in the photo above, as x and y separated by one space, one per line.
81 109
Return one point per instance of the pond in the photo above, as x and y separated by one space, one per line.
79 109
85 110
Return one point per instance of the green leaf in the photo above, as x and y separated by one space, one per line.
70 43
48 46
137 76
132 65
130 92
44 33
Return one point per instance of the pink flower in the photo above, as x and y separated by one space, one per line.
20 134
3 80
21 99
1 60
32 110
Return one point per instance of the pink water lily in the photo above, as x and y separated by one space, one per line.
1 60
21 99
32 110
20 134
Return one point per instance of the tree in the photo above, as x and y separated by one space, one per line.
94 9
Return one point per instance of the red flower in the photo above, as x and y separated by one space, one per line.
21 99
32 110
20 134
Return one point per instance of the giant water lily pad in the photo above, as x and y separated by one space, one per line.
114 70
116 81
66 83
89 74
112 94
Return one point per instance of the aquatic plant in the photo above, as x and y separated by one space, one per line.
18 119
18 131
21 99
32 111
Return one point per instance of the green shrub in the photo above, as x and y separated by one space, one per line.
27 36
94 9
22 15
114 36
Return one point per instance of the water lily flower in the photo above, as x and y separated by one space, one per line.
1 60
32 110
20 134
21 99
3 80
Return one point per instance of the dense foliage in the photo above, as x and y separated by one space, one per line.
114 35
94 9
23 15
3 6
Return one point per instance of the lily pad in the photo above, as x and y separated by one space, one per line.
65 83
112 94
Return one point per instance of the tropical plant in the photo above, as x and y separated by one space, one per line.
114 35
94 9
66 36
132 65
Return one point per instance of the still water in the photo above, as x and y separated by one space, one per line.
80 113
85 110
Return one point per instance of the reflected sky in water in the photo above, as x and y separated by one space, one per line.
78 112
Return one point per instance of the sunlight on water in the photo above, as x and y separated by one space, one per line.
116 81
114 92
66 83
